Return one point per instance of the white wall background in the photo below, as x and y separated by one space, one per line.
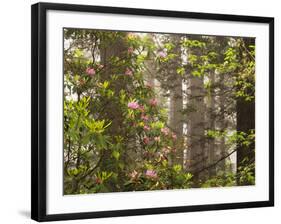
15 110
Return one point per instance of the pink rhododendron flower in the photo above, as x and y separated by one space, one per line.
153 102
146 140
151 174
133 105
174 136
146 128
162 54
165 131
166 150
157 139
90 71
128 72
130 50
144 117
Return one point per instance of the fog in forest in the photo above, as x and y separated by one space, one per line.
152 111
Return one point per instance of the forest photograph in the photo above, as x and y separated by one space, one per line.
157 111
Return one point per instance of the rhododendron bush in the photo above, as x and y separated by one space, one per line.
129 112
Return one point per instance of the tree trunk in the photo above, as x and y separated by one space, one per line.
245 122
196 127
222 123
112 111
176 99
210 120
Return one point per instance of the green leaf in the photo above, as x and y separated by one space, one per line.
196 73
116 154
181 71
105 84
177 168
78 53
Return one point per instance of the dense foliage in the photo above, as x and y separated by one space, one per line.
119 132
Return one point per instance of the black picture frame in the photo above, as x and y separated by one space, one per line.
38 110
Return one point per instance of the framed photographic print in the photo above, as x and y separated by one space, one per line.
138 111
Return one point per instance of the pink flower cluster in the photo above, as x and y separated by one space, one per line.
166 150
146 140
133 105
165 131
130 50
144 117
90 71
162 54
153 102
151 174
128 72
157 139
146 128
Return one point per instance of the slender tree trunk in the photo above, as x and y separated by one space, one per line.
210 120
245 122
222 123
176 99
